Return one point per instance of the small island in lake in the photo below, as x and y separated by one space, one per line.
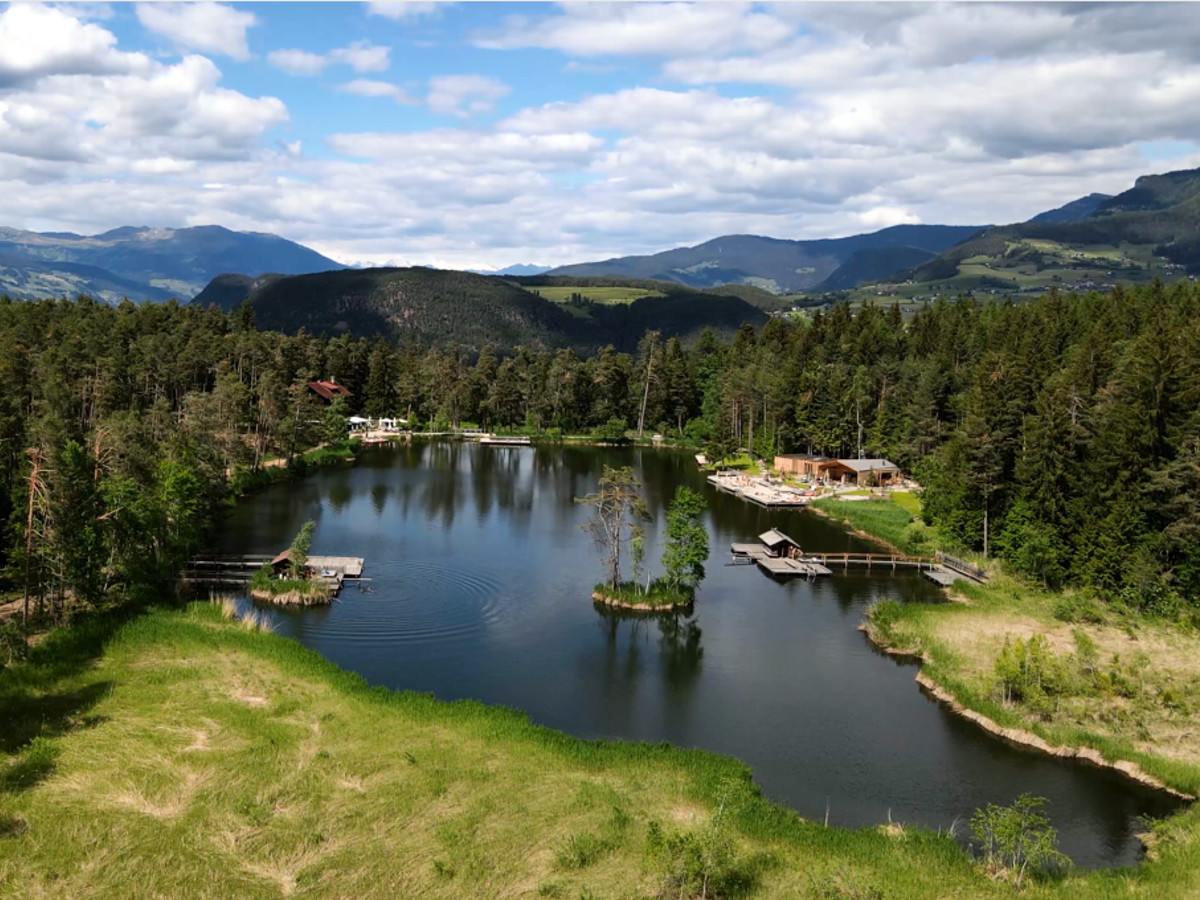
289 579
618 507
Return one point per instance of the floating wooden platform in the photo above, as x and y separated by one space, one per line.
781 565
752 551
346 566
941 576
505 441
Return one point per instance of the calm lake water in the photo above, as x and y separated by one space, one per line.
481 584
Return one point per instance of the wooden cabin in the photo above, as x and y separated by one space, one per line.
847 471
281 565
779 544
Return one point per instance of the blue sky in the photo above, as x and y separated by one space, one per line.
483 134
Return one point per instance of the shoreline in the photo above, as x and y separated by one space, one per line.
1017 737
616 603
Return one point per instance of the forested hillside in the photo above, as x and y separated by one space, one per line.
1061 434
776 265
433 305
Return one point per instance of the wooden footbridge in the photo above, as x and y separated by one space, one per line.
778 554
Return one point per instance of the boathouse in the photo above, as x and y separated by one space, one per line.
281 565
779 544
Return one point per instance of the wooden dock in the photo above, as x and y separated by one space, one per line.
505 441
872 560
778 554
782 565
333 570
941 576
758 491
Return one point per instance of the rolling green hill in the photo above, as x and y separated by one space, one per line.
1150 231
431 305
776 266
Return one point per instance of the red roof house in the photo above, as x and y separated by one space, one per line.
327 390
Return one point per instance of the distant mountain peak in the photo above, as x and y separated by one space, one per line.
141 262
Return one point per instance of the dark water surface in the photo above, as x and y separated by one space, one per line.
481 579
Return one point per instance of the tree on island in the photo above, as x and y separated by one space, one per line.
616 507
687 541
301 544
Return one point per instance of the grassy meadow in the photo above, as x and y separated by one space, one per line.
186 755
609 295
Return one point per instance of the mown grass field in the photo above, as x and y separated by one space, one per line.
611 295
196 758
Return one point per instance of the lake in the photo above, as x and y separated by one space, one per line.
480 588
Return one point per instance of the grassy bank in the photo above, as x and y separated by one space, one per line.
1065 667
193 757
245 481
894 521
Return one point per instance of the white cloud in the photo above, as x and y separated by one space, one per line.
400 10
362 56
365 87
464 95
875 115
651 29
41 40
298 62
210 27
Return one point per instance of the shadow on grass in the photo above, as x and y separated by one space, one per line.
28 717
46 697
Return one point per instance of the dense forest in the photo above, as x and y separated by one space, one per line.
469 310
1061 434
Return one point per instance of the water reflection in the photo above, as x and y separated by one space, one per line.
481 585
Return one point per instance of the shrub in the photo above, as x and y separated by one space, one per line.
1030 672
1019 839
701 863
1078 607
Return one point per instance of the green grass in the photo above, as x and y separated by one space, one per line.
194 758
891 522
908 501
658 594
610 295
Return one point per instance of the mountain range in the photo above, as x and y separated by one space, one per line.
783 266
142 263
1150 231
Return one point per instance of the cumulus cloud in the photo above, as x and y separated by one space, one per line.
400 10
798 121
651 29
464 95
362 56
41 40
210 27
72 97
298 62
365 87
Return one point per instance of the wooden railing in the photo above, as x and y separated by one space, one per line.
871 559
962 566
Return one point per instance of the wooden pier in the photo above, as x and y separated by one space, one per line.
758 491
872 560
333 570
783 565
